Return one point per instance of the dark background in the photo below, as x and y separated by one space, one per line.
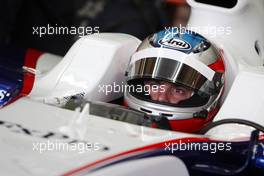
137 17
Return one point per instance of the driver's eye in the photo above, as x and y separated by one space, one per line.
178 90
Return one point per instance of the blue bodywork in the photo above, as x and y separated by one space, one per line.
11 73
244 159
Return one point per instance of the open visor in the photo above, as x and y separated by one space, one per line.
172 71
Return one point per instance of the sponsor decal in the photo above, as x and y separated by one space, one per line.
17 128
4 94
4 97
175 43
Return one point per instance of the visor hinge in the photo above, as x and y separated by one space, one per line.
201 114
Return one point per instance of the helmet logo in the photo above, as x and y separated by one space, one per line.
175 43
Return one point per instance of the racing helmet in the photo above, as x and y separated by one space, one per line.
186 64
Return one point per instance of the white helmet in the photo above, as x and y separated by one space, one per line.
182 61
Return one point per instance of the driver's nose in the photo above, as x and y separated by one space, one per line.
162 97
163 93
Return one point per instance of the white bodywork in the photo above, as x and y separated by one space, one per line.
92 62
243 26
20 157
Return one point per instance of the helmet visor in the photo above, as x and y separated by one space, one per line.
168 70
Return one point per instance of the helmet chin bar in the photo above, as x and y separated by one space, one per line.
171 113
201 114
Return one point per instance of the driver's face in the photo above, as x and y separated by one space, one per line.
168 92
